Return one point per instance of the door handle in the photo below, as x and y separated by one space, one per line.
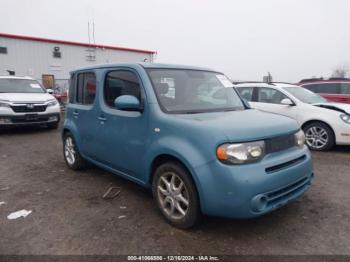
102 118
75 114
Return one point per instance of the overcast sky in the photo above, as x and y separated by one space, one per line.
245 39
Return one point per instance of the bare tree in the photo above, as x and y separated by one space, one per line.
340 71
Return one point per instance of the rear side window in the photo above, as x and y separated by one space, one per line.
329 88
246 93
118 83
345 88
86 88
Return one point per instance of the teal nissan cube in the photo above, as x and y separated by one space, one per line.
185 133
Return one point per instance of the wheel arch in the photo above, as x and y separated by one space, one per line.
166 157
323 122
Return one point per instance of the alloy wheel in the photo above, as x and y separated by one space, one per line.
316 137
173 195
69 151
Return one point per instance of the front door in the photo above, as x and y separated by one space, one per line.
122 134
269 100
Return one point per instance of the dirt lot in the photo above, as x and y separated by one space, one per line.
70 217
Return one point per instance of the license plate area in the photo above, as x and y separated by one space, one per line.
31 117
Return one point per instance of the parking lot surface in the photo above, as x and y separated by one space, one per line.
69 215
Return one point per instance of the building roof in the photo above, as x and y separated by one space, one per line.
16 77
64 42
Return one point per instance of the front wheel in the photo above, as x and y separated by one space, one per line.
71 153
176 195
319 136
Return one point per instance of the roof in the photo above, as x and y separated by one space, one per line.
147 65
320 81
55 41
263 84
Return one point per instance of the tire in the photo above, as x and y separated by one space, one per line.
53 125
319 136
77 162
171 200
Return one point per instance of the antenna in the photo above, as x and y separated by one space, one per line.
89 32
93 32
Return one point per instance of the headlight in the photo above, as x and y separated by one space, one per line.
241 153
52 102
345 118
4 104
299 138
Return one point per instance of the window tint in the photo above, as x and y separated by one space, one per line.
120 83
270 95
345 88
86 88
329 88
246 92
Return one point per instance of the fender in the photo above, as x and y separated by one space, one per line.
181 149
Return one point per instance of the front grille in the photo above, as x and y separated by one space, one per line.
279 195
280 143
28 108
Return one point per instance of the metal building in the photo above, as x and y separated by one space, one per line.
50 61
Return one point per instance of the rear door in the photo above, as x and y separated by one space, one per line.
81 110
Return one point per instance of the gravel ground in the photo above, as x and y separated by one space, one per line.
70 217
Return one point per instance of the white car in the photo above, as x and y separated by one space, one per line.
324 123
23 101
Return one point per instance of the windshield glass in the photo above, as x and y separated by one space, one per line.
194 91
20 86
305 95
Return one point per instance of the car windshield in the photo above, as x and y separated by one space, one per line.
8 85
194 91
305 95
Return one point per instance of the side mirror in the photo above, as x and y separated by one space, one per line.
127 103
50 91
287 102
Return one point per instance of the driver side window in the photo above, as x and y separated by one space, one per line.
118 83
270 95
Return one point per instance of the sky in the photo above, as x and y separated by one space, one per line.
245 39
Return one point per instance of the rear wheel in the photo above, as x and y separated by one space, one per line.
319 136
176 195
71 153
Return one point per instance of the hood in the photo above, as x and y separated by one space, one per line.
25 97
343 108
246 125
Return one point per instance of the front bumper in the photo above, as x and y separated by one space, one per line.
246 191
29 119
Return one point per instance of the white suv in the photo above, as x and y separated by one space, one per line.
23 101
